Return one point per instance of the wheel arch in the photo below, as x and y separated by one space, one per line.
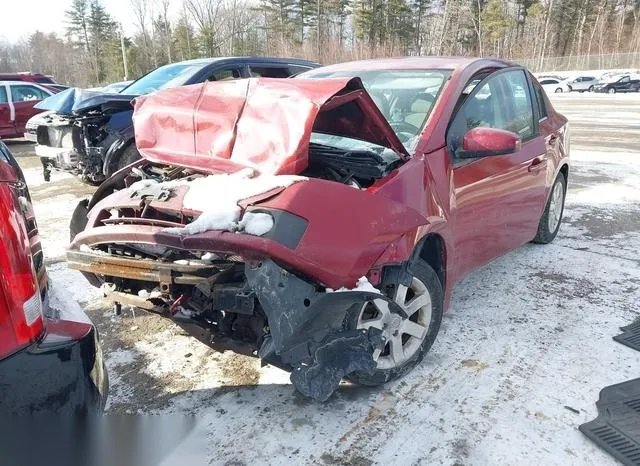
432 250
564 169
114 152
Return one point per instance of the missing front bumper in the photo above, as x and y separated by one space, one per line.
309 331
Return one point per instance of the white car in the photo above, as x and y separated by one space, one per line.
583 83
554 85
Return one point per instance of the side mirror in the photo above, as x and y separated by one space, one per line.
483 142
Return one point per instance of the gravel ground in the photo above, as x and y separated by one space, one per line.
526 337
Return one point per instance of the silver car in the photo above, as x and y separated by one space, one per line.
583 83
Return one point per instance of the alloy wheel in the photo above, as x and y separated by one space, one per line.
403 335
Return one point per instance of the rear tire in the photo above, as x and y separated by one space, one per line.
590 88
611 91
552 215
425 291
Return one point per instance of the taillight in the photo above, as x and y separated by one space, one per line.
21 321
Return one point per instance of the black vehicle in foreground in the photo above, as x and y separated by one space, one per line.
624 84
50 356
90 134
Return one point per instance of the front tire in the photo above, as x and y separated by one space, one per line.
558 90
127 157
408 337
590 88
552 215
611 91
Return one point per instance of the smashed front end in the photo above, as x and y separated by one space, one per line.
79 130
244 249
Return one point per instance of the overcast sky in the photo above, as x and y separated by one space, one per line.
20 18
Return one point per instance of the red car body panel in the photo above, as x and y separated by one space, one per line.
479 209
214 127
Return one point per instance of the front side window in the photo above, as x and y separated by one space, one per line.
26 93
502 102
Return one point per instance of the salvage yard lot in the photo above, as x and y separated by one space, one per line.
522 354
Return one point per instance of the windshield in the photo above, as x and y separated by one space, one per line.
167 76
405 97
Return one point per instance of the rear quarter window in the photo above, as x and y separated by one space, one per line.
3 95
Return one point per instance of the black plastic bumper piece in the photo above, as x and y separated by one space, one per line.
631 336
617 427
61 376
309 330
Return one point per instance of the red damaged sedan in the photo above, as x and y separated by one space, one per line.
321 222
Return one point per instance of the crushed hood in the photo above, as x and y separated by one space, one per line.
78 100
262 123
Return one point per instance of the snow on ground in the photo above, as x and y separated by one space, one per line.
526 338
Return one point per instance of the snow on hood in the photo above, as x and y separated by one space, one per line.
217 198
261 123
77 100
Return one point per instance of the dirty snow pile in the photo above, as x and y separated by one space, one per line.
361 285
217 197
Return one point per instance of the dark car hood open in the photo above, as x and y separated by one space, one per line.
261 123
78 100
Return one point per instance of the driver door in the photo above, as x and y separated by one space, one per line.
499 199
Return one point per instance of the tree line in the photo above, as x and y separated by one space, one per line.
93 49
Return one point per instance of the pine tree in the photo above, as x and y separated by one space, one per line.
280 16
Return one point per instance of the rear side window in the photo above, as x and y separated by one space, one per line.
26 93
225 74
520 119
3 95
296 69
548 81
44 80
269 71
539 97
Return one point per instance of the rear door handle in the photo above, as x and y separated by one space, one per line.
536 165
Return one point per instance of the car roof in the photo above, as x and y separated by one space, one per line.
20 83
416 63
245 59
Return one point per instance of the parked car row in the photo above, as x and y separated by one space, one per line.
611 85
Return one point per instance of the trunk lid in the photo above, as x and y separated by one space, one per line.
262 123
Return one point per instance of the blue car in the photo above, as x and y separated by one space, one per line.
90 133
